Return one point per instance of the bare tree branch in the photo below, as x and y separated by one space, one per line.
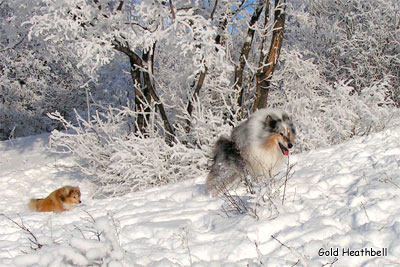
171 6
121 4
199 85
213 10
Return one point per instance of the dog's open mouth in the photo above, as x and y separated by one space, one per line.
285 151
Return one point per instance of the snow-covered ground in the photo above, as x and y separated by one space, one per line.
342 197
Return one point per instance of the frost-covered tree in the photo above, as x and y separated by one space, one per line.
213 37
356 41
340 69
35 78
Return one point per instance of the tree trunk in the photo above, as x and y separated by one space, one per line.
263 76
239 69
195 96
142 93
141 73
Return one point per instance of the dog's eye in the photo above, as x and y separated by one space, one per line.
281 134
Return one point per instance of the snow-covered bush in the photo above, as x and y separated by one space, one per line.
339 71
327 113
119 161
356 40
102 248
260 198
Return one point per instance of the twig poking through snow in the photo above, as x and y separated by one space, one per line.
365 211
301 259
21 225
388 180
288 175
185 242
330 264
277 240
95 232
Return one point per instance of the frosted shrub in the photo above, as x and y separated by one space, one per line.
119 161
327 113
101 248
357 41
339 71
261 198
213 116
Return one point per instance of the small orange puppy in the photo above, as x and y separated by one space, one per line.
62 199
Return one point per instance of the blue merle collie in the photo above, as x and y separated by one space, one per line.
257 147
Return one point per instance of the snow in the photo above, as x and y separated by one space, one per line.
344 196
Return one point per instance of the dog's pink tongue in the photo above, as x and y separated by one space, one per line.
285 152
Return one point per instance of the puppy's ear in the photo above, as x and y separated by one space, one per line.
67 191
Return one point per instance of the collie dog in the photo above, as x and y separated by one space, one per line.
257 147
60 200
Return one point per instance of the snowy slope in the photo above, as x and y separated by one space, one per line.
346 196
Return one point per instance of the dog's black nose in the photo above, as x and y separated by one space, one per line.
80 201
290 145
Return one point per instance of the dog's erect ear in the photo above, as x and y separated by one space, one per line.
270 122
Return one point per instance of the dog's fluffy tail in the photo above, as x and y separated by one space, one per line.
32 204
226 157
